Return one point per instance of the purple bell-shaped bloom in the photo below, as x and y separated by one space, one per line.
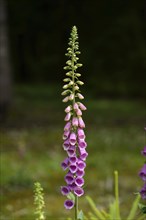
69 204
143 152
142 173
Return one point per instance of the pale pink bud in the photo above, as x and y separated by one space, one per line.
65 99
68 109
78 112
71 97
67 126
80 96
75 122
75 106
81 122
82 106
67 117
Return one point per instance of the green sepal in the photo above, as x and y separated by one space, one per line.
80 215
71 196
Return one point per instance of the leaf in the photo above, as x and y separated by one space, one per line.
81 215
134 208
71 196
142 208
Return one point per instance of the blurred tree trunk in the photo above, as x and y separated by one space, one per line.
5 75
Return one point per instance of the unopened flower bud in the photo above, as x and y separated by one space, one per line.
65 86
76 88
80 96
71 97
66 80
65 99
80 83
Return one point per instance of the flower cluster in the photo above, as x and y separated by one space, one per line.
74 137
142 174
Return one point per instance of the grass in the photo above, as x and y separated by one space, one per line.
31 151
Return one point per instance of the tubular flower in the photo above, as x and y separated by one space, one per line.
142 175
74 136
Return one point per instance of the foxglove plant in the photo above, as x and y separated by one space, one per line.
74 136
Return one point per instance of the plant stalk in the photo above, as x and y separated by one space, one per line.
76 208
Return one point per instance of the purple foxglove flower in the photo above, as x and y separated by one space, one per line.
66 145
72 138
68 109
82 106
66 99
78 191
69 178
73 168
72 186
67 126
143 152
75 106
81 164
66 134
75 121
69 204
65 190
80 96
142 173
83 154
67 117
71 151
143 192
80 173
78 112
79 181
73 160
81 122
81 134
65 164
82 144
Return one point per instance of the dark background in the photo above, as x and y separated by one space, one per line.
112 36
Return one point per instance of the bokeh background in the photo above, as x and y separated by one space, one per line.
33 41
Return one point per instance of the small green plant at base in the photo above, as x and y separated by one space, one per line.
114 208
39 201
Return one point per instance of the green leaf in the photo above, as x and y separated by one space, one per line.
71 196
142 208
81 215
134 208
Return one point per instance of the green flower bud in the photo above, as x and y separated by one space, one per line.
69 62
65 86
65 92
78 74
80 83
71 83
69 73
66 68
66 80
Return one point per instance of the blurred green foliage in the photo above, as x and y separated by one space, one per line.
112 37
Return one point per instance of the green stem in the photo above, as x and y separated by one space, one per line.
76 208
117 195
